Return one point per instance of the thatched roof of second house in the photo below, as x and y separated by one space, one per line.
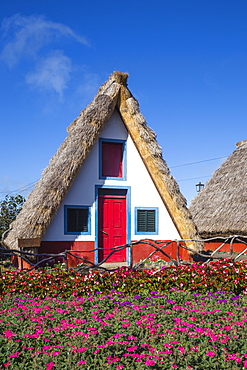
44 201
220 209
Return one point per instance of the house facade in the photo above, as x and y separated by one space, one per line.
107 185
112 201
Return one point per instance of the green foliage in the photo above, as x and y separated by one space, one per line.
9 209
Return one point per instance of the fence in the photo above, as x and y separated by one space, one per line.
36 260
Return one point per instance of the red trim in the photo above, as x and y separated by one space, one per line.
58 247
236 247
142 251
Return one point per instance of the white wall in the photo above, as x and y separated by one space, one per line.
143 191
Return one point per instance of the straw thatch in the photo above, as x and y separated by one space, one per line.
220 208
44 201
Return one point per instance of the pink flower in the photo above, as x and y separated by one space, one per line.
82 349
14 354
238 359
50 365
150 363
131 349
36 353
112 359
119 366
46 348
167 345
182 349
194 348
8 333
81 362
211 354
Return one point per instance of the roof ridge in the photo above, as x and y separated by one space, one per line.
241 143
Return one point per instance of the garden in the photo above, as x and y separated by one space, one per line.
193 316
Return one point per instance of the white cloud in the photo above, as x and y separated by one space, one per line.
27 35
51 73
34 38
90 84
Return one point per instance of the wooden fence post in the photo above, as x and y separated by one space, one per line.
131 255
66 260
177 252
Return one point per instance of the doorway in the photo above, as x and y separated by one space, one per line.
112 222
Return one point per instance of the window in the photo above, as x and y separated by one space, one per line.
77 220
146 220
112 159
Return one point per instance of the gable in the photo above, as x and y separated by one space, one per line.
143 193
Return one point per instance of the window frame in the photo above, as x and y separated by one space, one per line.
156 220
123 142
66 232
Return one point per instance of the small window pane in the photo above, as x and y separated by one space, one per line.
77 220
146 220
112 159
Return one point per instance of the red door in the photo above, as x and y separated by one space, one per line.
112 226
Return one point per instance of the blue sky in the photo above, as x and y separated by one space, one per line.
187 65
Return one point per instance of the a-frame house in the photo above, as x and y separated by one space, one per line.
107 185
219 210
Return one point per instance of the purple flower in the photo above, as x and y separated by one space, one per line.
124 303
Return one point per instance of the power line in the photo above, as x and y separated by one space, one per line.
205 160
29 186
22 189
194 178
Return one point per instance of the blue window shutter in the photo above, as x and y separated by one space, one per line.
77 219
145 220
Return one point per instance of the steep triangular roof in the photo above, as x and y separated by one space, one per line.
44 201
220 209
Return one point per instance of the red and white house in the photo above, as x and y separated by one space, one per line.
122 192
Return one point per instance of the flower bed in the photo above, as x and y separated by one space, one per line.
190 317
223 275
114 331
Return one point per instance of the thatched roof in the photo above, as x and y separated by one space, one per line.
220 209
44 201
